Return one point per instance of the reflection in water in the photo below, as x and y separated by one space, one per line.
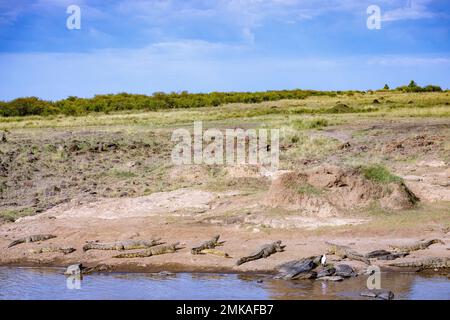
47 283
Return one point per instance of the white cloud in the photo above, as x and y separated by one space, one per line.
413 10
394 60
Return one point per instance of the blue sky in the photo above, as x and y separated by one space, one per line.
140 46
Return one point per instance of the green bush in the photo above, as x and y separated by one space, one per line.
75 106
379 173
413 87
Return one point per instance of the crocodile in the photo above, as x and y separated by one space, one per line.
376 254
215 252
393 256
263 252
345 252
428 263
32 238
385 255
330 278
78 269
122 245
296 269
210 244
378 293
151 251
345 271
325 272
64 250
420 245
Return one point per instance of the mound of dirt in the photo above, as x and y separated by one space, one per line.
330 190
341 108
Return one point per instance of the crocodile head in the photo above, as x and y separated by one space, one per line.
278 246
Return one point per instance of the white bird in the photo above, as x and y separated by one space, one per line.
323 260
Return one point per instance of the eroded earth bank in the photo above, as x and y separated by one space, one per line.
365 182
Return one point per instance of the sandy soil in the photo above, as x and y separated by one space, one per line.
114 220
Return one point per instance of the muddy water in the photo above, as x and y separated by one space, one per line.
32 283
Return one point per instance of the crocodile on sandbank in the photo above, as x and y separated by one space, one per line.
420 245
32 238
64 250
151 251
345 252
427 263
263 252
210 244
122 245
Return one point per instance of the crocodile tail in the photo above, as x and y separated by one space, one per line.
405 264
15 242
364 259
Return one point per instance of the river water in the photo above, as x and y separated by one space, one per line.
50 283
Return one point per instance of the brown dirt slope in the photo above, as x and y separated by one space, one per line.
329 190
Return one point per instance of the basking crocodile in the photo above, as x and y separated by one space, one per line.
151 252
345 271
378 293
296 269
264 252
32 238
345 252
215 252
210 244
325 272
330 278
416 246
65 250
376 254
385 255
428 263
122 245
